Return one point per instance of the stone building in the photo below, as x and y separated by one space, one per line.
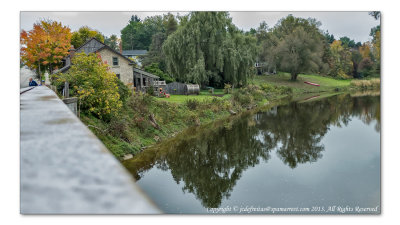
121 65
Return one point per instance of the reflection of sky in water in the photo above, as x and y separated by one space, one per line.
348 174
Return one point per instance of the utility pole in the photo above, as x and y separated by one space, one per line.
40 74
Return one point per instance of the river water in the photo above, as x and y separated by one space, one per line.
308 157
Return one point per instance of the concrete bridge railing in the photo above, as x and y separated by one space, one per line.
65 169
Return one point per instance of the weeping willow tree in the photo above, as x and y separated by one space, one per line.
209 49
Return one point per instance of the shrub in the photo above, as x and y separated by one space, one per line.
118 128
192 104
193 119
139 102
123 91
227 88
272 89
242 97
155 69
268 87
150 90
94 84
366 67
342 75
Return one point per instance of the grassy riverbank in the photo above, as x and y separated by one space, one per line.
327 84
145 120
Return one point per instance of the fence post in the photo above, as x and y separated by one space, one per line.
66 88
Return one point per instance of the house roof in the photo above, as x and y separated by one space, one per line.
134 52
96 47
145 73
90 49
104 46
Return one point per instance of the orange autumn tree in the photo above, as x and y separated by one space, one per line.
44 47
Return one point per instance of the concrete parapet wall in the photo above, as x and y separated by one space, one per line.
65 169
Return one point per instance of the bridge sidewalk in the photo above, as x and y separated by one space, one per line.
65 169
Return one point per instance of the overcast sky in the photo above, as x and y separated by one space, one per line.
355 25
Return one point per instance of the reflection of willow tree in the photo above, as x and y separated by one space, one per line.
210 160
211 163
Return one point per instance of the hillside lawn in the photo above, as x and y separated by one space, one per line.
328 84
299 87
204 95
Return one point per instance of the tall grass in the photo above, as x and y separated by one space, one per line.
367 84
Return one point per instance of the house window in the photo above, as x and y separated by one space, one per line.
115 61
119 76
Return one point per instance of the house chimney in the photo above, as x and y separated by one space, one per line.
71 51
120 46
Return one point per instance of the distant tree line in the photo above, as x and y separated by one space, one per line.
208 49
297 45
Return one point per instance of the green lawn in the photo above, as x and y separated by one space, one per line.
216 92
184 98
283 79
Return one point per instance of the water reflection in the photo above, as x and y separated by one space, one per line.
209 161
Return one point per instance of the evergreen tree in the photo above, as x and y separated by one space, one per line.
138 34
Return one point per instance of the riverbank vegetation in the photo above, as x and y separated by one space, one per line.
367 84
145 120
236 70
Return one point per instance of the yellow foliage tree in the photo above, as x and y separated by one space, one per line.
342 60
365 50
94 84
377 46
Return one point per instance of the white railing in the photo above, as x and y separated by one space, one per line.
159 83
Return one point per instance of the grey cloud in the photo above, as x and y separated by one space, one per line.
355 25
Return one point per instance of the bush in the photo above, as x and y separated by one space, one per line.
154 69
118 128
272 89
227 88
150 90
140 103
192 104
268 87
242 97
366 67
123 91
94 84
342 75
193 119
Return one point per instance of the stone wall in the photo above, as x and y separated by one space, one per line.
123 69
65 169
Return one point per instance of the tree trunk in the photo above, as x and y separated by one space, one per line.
293 76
